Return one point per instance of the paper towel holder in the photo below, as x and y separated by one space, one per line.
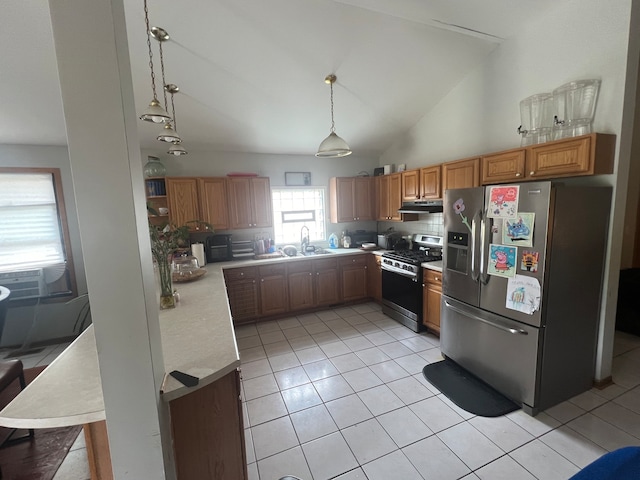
198 251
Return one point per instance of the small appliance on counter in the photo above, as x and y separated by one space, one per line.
388 240
359 237
242 249
218 248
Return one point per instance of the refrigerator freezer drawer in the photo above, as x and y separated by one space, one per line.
500 351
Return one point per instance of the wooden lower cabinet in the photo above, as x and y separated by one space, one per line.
274 297
242 292
353 273
207 432
300 282
374 277
431 297
327 286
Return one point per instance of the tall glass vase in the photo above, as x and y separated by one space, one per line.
167 299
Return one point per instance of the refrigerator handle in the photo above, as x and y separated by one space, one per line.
484 276
474 275
482 249
504 328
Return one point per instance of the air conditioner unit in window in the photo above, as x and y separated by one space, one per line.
24 283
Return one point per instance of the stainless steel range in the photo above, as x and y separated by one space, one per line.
402 279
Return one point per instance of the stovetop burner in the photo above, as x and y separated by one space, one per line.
426 248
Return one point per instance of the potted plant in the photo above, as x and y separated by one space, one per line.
165 240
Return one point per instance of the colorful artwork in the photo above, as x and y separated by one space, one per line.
503 201
523 294
502 260
519 230
530 261
458 208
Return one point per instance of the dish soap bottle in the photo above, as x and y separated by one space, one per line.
333 241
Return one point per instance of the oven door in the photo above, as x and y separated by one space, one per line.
403 294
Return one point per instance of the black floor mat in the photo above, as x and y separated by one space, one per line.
466 390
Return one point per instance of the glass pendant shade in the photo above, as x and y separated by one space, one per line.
333 146
154 168
155 113
177 149
169 135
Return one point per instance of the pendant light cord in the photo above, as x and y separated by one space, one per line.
164 84
333 126
153 75
173 115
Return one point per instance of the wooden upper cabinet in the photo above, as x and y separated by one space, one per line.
430 182
213 202
351 199
182 198
389 197
461 173
504 166
410 185
591 154
249 202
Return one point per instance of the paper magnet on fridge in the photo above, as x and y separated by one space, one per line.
502 260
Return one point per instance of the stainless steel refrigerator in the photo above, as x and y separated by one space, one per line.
522 278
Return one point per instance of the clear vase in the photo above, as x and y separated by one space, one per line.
167 300
154 168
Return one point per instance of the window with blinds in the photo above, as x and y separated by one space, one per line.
30 228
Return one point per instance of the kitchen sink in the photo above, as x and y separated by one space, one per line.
317 251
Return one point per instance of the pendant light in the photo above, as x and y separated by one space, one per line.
168 133
333 146
176 148
154 112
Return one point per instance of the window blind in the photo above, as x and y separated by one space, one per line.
30 233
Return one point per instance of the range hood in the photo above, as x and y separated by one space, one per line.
423 206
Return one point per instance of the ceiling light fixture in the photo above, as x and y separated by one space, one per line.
154 112
176 148
168 133
333 146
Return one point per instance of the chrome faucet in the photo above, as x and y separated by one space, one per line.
304 239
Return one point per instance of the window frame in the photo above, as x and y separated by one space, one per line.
317 218
56 178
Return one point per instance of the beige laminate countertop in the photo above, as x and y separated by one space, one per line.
197 338
437 266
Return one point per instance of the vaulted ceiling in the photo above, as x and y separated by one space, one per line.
251 72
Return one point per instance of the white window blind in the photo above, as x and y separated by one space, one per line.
30 234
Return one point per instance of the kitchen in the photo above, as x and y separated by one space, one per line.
462 134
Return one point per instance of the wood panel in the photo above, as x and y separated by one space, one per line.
261 202
431 182
461 174
410 185
240 214
98 453
182 195
506 166
207 432
214 202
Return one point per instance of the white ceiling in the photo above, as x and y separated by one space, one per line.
251 72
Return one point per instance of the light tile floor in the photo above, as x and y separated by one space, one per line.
340 394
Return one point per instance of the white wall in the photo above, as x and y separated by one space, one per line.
578 39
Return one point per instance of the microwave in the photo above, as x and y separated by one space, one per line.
360 236
218 248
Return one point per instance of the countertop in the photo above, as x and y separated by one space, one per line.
437 266
197 338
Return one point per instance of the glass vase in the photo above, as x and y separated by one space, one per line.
154 168
167 300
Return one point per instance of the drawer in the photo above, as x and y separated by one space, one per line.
271 270
432 276
320 265
240 273
299 266
353 260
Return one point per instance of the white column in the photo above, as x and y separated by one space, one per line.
95 77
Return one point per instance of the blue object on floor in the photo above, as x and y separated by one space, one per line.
621 464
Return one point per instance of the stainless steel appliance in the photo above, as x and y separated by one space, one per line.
421 206
388 241
218 248
360 237
522 276
402 279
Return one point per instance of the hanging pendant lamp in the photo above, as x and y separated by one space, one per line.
333 146
176 148
168 133
154 112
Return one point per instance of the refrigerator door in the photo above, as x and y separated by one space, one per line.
461 259
500 351
534 198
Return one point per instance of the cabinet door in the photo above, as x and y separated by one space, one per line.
410 185
374 277
213 202
430 182
461 174
341 200
382 197
240 215
354 278
300 281
432 295
243 299
326 289
503 167
395 196
560 159
364 198
182 197
273 289
261 202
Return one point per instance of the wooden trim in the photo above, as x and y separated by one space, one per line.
604 383
98 454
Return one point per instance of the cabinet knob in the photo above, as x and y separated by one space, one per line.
437 279
518 174
262 280
423 285
532 173
242 274
310 273
318 274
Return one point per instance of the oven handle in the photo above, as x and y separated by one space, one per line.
515 331
407 274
